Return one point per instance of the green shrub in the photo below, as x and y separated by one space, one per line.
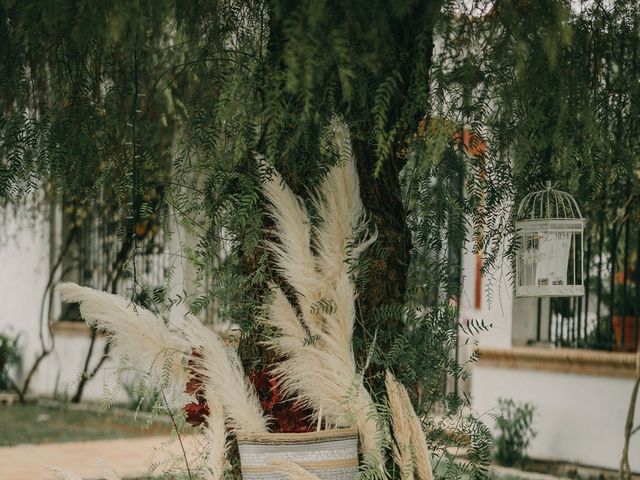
515 432
8 357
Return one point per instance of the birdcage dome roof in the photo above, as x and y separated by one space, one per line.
548 204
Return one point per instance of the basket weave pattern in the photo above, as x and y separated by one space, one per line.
329 454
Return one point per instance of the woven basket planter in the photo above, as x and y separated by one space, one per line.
329 454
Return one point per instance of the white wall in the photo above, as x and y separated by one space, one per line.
24 268
579 418
496 301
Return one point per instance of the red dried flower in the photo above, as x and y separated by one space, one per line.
198 411
288 416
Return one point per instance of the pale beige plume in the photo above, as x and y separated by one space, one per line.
147 343
293 255
420 449
224 378
215 436
342 220
137 335
319 366
402 450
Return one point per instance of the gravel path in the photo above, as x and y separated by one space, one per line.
130 458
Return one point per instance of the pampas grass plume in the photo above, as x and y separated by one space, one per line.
135 333
224 378
408 420
402 453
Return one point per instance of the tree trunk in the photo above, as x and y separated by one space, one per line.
382 197
382 194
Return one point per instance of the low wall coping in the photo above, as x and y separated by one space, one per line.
560 360
70 328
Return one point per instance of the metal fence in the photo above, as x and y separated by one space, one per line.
607 317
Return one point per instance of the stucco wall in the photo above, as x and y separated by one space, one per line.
579 418
24 267
496 301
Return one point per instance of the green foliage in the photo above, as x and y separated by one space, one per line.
140 398
9 357
515 432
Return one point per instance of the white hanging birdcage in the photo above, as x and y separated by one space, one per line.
550 251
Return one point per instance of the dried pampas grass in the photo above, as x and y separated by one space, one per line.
402 452
215 436
343 220
411 451
147 343
137 335
293 256
319 366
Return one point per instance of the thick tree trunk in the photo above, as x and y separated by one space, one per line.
382 197
382 194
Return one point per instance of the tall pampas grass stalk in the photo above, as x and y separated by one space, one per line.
408 422
343 220
402 452
147 343
293 256
293 471
215 436
138 336
319 366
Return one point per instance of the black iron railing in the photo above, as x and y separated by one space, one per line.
607 317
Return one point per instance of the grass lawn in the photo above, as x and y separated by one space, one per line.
39 424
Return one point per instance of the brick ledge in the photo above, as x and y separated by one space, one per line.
561 360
